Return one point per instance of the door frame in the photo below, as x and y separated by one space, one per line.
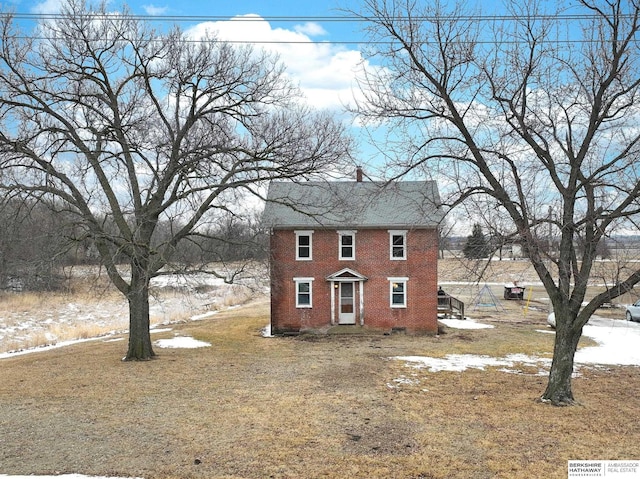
346 318
347 275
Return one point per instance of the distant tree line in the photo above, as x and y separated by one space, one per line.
32 246
37 240
480 246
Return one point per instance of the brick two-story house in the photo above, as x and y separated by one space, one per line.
353 253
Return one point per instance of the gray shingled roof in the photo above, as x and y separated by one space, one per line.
351 204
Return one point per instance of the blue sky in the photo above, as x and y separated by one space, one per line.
323 57
311 46
324 69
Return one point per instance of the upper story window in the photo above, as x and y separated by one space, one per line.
347 245
398 244
304 292
304 245
398 292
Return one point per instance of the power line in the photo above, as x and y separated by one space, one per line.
329 42
305 19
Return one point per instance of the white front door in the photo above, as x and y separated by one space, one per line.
346 303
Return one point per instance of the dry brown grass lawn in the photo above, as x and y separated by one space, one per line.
308 407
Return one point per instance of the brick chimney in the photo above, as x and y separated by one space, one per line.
359 174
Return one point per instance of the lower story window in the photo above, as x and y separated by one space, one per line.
304 292
398 292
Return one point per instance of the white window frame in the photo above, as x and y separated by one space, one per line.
402 233
395 281
299 234
352 235
299 282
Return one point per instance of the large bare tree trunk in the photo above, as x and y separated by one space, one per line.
140 347
162 132
558 390
532 134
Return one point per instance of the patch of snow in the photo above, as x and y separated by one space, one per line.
159 330
174 298
617 345
403 380
519 360
187 281
64 476
462 362
49 347
453 362
527 360
617 340
546 331
266 331
464 324
200 317
181 342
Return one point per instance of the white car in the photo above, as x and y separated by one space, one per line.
633 311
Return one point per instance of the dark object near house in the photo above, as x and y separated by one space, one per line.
448 306
513 291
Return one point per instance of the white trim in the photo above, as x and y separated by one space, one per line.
342 234
361 303
333 302
336 279
346 274
398 280
300 233
298 282
402 233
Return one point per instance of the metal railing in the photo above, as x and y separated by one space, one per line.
449 305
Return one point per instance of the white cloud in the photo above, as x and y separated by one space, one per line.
47 7
310 28
325 72
153 10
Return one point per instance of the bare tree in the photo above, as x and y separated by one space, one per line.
530 113
444 237
35 245
132 128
